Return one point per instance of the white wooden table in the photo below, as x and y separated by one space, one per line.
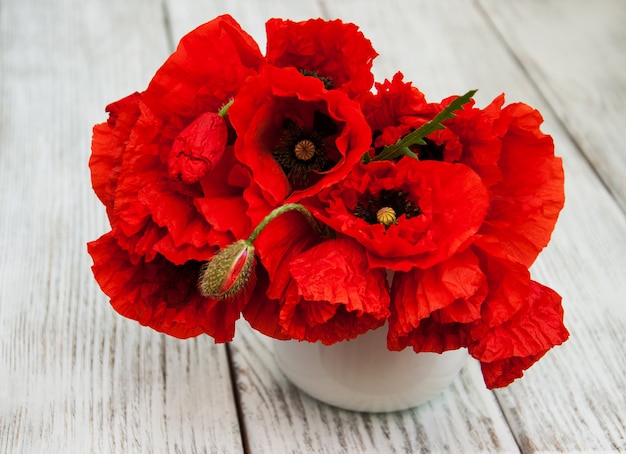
76 377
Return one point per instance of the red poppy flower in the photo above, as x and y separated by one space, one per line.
164 167
335 52
158 148
161 295
435 208
295 136
333 295
395 110
314 289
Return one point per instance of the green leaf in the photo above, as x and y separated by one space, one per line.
401 148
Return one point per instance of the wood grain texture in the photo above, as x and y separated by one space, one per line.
278 417
76 377
575 52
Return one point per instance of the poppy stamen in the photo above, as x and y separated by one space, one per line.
386 216
386 208
327 81
304 150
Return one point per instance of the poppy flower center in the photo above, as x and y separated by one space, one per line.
386 216
328 82
429 152
302 152
385 208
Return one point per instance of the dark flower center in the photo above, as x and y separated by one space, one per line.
328 82
301 151
385 208
429 152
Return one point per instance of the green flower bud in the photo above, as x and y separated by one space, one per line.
228 272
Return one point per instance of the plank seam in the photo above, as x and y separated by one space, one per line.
324 9
237 396
167 25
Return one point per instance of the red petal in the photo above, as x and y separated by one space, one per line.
456 288
334 295
108 145
527 202
508 283
430 336
207 69
508 349
262 312
333 49
282 240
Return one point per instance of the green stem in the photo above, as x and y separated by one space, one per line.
224 110
281 210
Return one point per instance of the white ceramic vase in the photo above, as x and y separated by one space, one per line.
362 375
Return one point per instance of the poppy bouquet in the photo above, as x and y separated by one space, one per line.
290 189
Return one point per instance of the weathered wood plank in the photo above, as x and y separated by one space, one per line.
578 389
251 15
75 376
278 417
575 51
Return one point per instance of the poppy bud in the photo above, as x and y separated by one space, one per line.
228 272
198 148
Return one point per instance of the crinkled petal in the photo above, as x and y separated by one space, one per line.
508 349
508 283
430 336
108 145
333 294
263 312
456 288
